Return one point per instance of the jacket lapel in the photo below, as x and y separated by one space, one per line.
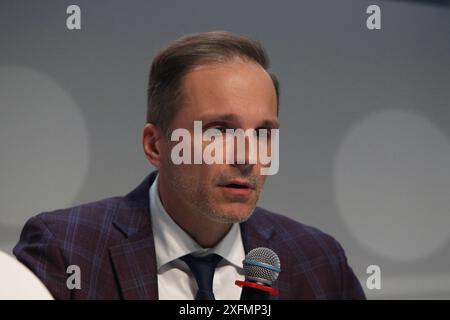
134 258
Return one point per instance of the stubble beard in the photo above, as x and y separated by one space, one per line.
200 200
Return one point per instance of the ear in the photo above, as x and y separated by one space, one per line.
152 142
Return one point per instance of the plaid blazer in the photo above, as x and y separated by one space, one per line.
111 241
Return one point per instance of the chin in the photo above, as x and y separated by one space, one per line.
235 213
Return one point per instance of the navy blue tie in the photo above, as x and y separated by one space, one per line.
203 269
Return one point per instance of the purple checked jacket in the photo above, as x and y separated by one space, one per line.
111 241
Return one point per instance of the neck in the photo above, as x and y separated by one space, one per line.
205 231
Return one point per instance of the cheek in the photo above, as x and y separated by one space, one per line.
262 180
206 174
192 175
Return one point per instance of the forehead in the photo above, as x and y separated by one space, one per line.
241 88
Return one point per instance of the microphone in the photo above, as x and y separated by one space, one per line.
261 269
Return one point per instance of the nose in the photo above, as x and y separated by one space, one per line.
245 153
244 169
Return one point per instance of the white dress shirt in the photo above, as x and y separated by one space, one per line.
175 279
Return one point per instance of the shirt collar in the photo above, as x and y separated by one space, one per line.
172 242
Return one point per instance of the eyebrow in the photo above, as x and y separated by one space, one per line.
267 123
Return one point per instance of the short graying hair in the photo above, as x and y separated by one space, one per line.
172 63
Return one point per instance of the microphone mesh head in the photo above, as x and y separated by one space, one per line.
262 265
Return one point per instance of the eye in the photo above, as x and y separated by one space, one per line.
259 132
222 129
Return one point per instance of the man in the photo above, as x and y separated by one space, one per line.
150 243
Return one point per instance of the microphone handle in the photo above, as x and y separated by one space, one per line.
254 294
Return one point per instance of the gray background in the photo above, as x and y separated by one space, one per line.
365 148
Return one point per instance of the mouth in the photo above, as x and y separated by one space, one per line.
238 184
238 188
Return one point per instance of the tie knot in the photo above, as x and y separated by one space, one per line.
203 269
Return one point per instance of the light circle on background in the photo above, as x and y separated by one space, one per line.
392 184
44 145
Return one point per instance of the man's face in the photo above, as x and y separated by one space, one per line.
231 95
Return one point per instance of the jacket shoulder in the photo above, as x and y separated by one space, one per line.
93 217
308 238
